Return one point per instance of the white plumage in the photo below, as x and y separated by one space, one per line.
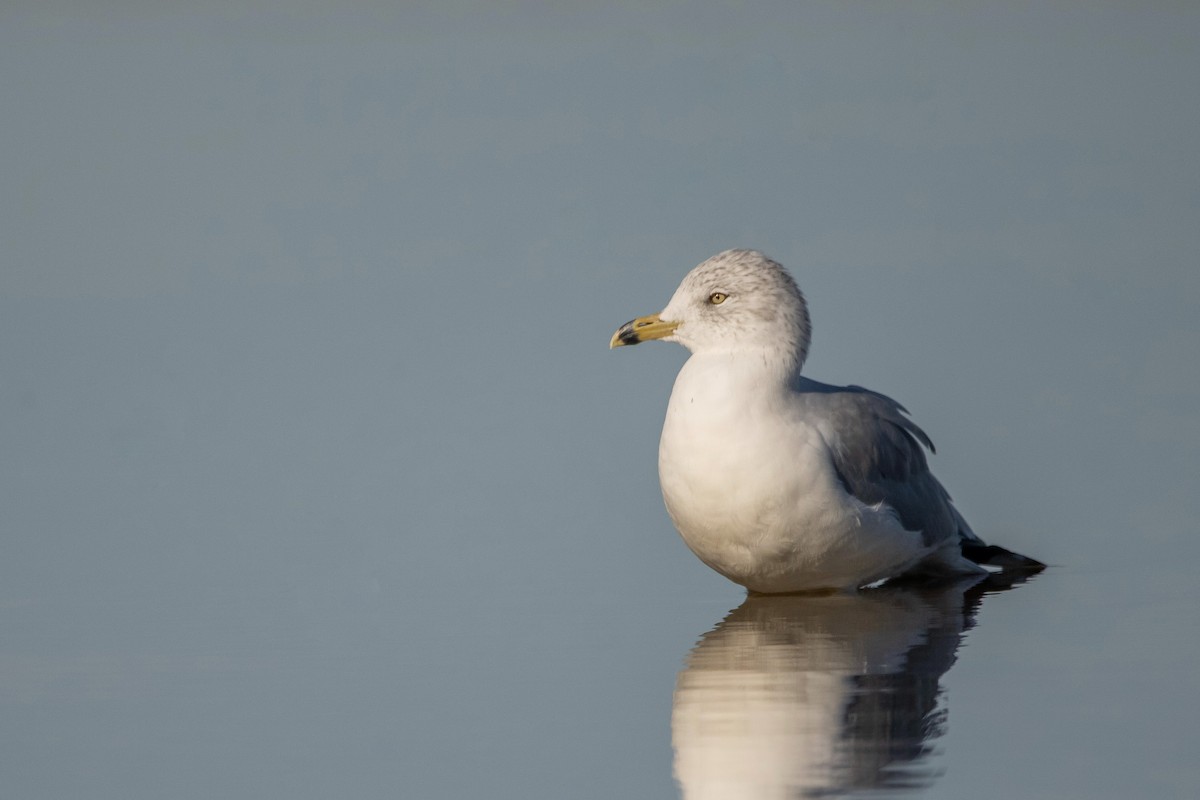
777 482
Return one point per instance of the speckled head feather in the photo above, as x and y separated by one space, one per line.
758 307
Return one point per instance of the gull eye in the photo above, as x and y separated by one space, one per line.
716 298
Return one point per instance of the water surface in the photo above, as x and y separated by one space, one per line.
317 478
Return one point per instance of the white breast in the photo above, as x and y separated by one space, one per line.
751 487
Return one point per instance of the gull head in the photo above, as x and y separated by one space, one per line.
736 301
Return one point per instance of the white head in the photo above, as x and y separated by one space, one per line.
736 301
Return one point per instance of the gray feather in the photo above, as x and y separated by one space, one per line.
878 456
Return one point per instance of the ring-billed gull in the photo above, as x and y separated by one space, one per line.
781 483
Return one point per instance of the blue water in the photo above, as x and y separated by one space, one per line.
317 478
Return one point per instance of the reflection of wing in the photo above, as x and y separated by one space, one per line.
792 696
876 452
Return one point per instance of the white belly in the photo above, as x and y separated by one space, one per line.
754 494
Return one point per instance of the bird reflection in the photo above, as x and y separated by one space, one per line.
802 696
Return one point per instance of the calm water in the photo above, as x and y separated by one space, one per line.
362 689
318 480
800 696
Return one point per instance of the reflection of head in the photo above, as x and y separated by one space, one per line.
801 696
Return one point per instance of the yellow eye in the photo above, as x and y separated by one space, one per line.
716 298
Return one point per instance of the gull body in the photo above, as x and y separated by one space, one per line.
748 479
780 483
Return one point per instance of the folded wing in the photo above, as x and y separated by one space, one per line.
878 454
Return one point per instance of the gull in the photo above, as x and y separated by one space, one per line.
780 483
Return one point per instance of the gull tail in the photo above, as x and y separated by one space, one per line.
990 555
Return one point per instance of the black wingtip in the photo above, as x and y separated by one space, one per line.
991 555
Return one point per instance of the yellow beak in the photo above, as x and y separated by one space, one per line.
642 329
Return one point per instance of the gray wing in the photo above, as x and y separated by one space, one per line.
878 456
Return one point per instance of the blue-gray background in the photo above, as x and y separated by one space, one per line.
317 477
